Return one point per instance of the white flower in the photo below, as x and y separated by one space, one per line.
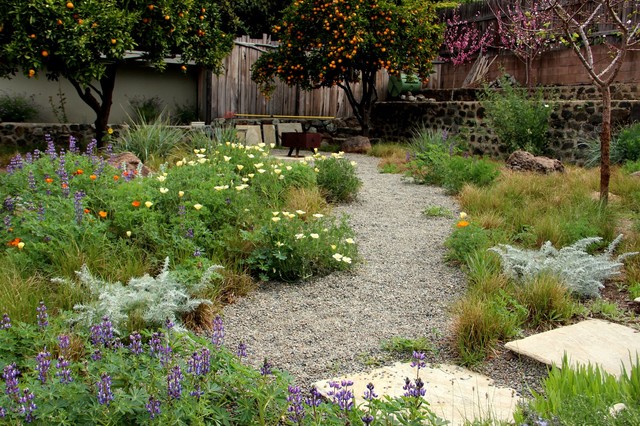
203 160
337 257
180 193
318 215
314 236
272 145
164 190
161 178
197 206
191 163
316 170
281 177
277 171
261 145
128 233
279 244
349 241
200 155
275 219
196 151
245 179
179 163
251 175
289 168
353 163
346 259
226 158
240 166
275 213
258 165
463 215
333 246
221 187
241 187
250 155
261 170
300 212
148 204
299 236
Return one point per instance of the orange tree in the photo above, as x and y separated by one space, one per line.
86 41
343 42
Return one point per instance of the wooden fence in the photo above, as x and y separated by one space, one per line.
234 91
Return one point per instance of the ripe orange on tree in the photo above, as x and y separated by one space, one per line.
69 5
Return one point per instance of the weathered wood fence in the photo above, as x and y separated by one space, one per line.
234 91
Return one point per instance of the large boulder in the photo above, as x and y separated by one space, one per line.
130 161
526 162
356 144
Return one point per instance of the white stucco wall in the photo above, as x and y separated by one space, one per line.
173 86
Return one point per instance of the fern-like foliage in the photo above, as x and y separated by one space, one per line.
158 299
582 272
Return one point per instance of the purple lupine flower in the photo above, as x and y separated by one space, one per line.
16 163
168 324
166 354
200 362
189 233
63 343
367 419
153 407
63 370
102 334
44 363
61 171
370 394
77 204
182 210
10 375
414 390
91 148
295 408
105 396
6 322
7 222
27 406
341 394
28 158
32 181
51 148
3 413
73 147
136 343
418 360
155 343
265 369
217 334
174 383
41 212
197 252
197 392
43 317
242 350
314 399
36 155
96 355
9 204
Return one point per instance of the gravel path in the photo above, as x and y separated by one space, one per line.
335 325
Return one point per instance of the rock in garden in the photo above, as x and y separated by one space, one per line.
357 145
131 161
526 162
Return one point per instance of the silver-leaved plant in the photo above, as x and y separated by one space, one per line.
159 299
583 273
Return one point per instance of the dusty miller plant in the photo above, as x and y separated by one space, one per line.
582 272
159 299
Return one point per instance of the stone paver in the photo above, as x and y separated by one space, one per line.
454 393
252 133
593 341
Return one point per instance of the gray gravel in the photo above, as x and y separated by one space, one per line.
335 325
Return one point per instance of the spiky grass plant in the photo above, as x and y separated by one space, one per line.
547 299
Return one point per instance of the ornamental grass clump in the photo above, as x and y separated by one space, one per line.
583 273
337 178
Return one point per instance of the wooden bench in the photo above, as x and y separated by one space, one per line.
299 141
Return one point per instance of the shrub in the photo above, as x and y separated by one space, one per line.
519 119
582 272
465 170
624 148
464 241
151 140
581 395
17 108
146 110
547 300
337 177
185 114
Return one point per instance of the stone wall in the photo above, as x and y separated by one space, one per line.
29 136
576 119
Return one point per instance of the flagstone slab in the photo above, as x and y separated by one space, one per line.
269 134
249 134
592 341
453 393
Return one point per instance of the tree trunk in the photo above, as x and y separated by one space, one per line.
99 100
605 142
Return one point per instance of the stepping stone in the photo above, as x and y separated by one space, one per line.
453 393
593 341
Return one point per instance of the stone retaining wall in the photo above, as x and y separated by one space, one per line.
571 125
29 136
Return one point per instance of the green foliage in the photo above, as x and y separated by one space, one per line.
464 241
17 108
582 272
624 149
437 163
406 347
607 310
547 300
580 395
520 119
150 140
185 114
337 178
437 211
146 110
156 300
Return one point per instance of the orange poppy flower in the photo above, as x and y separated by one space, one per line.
64 185
14 242
78 172
116 177
102 214
48 180
462 224
136 203
87 211
93 177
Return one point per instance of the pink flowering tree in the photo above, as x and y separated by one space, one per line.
584 24
524 31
